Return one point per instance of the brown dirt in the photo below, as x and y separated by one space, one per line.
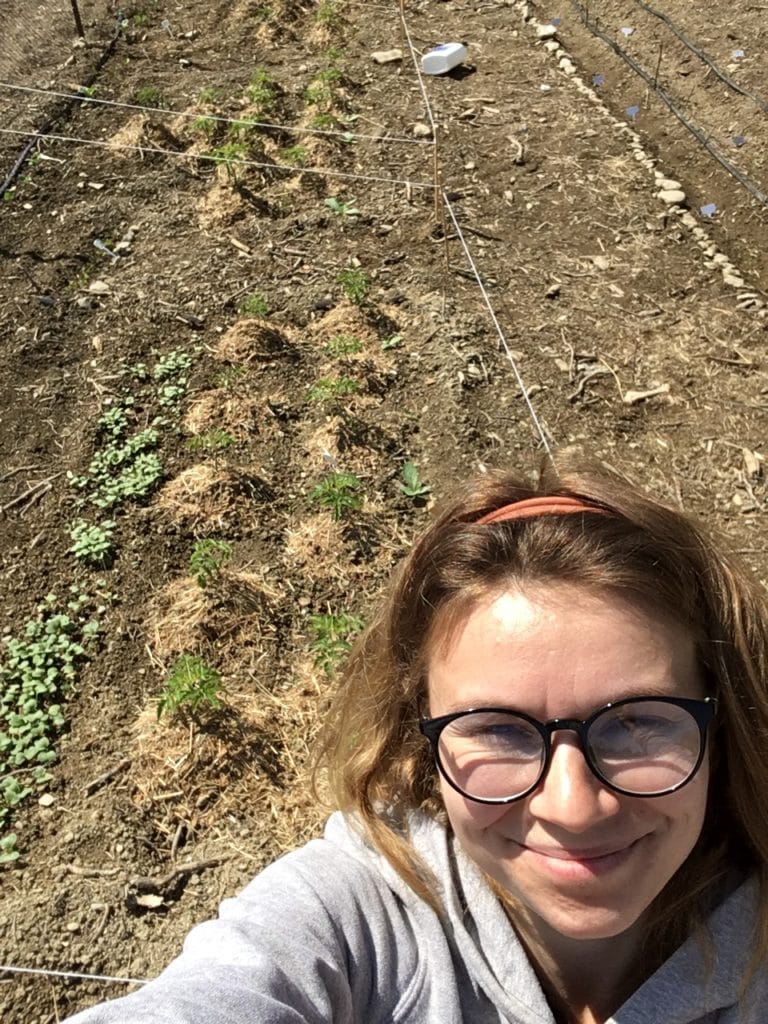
600 287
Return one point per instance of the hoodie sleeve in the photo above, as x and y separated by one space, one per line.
309 941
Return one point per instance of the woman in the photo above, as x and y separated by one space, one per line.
548 754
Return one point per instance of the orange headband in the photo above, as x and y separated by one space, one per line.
550 505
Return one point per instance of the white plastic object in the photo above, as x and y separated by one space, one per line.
442 58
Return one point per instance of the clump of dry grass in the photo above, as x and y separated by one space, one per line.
314 545
207 499
252 338
236 608
240 415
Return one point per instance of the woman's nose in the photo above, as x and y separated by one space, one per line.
570 795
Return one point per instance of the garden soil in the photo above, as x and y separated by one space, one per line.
286 302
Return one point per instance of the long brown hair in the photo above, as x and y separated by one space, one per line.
380 768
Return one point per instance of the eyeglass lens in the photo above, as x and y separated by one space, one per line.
641 747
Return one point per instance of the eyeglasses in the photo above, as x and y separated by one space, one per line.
642 746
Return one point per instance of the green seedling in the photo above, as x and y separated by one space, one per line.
214 440
92 544
339 493
205 125
208 95
324 122
394 342
232 155
332 633
190 683
171 374
295 155
411 484
343 345
230 376
137 371
329 13
37 672
173 365
124 469
150 96
331 389
255 305
8 849
207 560
260 90
347 209
355 283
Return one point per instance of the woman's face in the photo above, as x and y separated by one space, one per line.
583 860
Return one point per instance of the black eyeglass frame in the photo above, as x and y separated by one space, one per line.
702 711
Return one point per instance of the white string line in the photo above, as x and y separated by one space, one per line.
420 78
499 331
71 974
218 160
240 121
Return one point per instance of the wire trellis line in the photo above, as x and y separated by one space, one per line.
155 150
239 121
10 969
497 325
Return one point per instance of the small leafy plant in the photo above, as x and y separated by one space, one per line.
37 672
255 305
214 440
296 155
412 485
207 560
341 209
205 125
261 90
340 493
231 155
92 544
355 283
329 13
332 632
395 341
150 96
8 849
190 683
342 345
230 376
330 390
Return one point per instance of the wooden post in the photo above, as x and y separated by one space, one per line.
78 19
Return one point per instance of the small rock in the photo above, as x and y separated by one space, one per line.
73 926
668 183
567 66
422 131
601 262
99 288
733 280
387 56
545 88
720 259
672 196
46 800
551 46
546 31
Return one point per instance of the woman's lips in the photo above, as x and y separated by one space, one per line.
580 863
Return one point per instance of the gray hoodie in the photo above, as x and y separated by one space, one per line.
331 933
